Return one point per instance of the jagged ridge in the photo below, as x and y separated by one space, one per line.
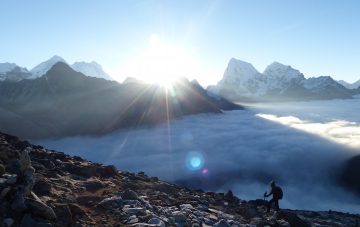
242 82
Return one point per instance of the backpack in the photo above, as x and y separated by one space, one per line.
278 193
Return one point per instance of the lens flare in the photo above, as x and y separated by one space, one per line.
194 160
205 171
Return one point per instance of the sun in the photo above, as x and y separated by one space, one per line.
163 63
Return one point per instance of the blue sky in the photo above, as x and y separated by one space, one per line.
317 37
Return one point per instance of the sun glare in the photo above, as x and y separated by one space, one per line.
162 63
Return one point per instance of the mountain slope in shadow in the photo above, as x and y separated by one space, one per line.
66 103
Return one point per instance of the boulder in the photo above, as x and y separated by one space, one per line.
63 214
186 206
221 223
179 217
292 219
12 179
40 209
3 181
78 212
129 194
108 171
139 211
156 222
81 170
4 192
111 203
93 185
42 187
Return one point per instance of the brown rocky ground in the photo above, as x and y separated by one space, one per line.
40 187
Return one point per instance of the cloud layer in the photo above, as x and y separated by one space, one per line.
340 131
300 145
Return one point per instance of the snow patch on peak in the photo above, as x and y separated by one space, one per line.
42 68
319 83
241 78
13 72
56 59
6 67
281 71
354 85
92 69
242 68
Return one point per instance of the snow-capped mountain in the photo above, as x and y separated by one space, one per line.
240 79
6 67
279 76
42 68
320 83
354 85
242 82
12 72
92 69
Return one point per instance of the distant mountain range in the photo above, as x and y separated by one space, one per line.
14 73
242 82
64 102
354 85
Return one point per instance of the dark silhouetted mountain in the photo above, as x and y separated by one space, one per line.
64 102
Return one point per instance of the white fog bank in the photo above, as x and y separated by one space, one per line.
300 145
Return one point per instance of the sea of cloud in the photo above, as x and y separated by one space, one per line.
301 145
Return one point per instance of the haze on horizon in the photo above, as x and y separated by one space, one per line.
157 39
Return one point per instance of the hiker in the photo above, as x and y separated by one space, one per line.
277 194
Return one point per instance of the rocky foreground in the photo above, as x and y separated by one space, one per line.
43 188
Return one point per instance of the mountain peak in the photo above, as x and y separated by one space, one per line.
281 71
239 63
348 85
242 68
92 69
277 64
6 67
42 68
56 58
13 72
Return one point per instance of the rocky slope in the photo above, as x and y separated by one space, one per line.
242 82
40 187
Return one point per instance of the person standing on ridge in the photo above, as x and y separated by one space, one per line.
277 194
